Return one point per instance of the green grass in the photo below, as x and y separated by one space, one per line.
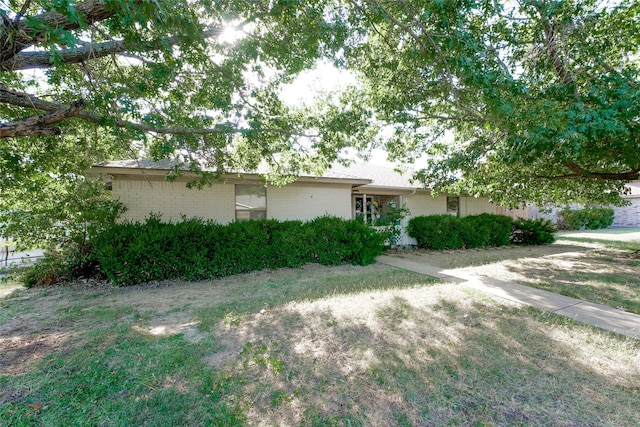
121 377
347 346
612 244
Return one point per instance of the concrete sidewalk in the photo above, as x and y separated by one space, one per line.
598 315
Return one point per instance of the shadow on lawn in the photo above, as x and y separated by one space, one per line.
426 355
456 363
610 279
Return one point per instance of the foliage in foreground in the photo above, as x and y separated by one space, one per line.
451 232
542 104
589 218
194 249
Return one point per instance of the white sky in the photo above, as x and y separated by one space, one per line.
325 78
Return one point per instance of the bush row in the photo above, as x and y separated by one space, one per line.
451 232
589 218
195 249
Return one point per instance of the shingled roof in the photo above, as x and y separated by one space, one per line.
369 175
380 176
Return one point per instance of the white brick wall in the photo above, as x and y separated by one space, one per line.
476 206
424 204
303 201
172 199
628 216
308 201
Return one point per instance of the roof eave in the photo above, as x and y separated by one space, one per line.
154 172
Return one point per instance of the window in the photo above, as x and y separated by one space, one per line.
453 204
251 202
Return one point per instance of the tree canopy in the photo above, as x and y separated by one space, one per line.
86 81
541 97
527 101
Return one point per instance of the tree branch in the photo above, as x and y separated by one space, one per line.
15 37
21 99
31 60
581 173
551 34
22 12
40 124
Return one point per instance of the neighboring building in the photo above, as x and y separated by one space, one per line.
359 191
624 216
629 216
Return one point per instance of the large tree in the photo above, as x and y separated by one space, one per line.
522 101
177 74
527 100
85 81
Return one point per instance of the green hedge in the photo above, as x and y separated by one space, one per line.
533 232
451 232
589 218
195 249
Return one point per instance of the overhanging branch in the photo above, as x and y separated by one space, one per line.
580 173
40 124
21 99
17 36
31 60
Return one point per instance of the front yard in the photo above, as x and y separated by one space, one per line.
324 346
594 270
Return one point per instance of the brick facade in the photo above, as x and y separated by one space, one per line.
305 201
628 216
302 201
173 199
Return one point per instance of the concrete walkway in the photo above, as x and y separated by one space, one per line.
598 315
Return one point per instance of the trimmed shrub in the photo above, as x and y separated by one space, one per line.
436 231
600 218
533 232
290 243
332 241
195 249
571 219
589 218
486 230
450 232
364 242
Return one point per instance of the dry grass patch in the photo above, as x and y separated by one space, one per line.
451 259
316 346
604 272
431 356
